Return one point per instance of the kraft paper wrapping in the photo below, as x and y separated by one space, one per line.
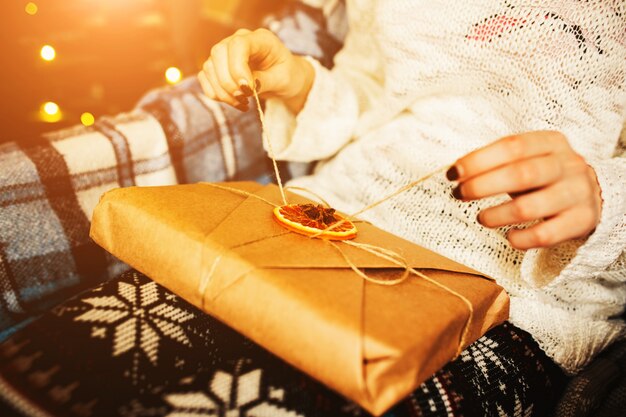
296 296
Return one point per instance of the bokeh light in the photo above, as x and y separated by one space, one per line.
31 8
173 75
50 112
48 53
50 107
102 56
87 119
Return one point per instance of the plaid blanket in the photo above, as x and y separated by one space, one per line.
49 187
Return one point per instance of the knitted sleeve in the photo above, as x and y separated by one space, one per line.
330 114
324 125
603 253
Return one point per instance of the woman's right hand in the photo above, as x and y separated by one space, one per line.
256 58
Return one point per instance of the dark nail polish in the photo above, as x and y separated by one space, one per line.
257 84
241 98
456 193
246 90
242 107
453 173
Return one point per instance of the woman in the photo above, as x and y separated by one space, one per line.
525 101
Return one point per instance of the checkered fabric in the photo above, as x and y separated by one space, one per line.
50 186
307 30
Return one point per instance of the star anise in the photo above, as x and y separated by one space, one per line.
319 213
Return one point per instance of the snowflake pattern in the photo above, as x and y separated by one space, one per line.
230 395
157 372
483 353
138 318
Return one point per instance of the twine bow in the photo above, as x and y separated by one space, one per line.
383 253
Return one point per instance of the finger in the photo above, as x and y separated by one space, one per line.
219 58
265 52
546 202
238 60
570 224
242 31
220 93
206 86
575 164
516 177
507 150
265 47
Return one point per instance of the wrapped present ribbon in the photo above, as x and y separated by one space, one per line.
301 298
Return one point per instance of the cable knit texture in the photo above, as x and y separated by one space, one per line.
419 84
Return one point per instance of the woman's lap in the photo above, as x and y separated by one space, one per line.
132 348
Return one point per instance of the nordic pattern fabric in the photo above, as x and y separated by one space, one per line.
50 186
132 348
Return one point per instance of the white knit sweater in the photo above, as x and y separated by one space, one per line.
419 84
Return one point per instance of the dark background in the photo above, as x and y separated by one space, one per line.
108 53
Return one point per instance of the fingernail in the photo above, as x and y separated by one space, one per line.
240 97
456 193
453 173
478 218
242 107
246 89
257 84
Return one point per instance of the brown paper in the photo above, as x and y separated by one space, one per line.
296 296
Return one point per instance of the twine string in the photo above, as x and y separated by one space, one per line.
268 143
400 261
378 251
387 255
306 190
382 200
206 278
240 192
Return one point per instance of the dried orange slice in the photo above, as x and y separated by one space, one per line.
309 220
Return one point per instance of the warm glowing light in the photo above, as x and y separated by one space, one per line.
31 8
50 107
48 53
173 75
87 119
50 112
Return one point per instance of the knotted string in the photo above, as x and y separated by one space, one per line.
378 251
382 253
397 259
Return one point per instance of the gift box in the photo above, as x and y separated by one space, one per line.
219 247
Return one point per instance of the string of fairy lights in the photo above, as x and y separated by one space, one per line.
50 111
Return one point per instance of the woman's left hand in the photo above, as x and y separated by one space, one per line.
547 181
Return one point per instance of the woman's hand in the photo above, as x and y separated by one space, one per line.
547 181
256 58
